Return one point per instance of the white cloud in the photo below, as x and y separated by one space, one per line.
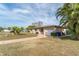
21 11
31 12
15 14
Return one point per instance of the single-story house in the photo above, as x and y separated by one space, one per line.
6 30
46 30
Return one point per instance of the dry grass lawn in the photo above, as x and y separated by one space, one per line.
10 36
41 47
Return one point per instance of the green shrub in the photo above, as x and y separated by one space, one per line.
68 32
53 34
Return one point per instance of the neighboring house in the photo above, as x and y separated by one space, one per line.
46 30
6 30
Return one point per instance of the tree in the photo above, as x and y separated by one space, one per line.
17 30
9 28
1 29
22 28
30 27
69 13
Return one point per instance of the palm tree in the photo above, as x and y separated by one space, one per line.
70 13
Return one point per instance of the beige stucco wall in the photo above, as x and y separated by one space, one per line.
45 32
38 30
40 34
33 31
30 31
65 31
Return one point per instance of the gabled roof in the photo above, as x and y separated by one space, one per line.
47 27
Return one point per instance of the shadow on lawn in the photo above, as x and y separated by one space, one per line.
68 38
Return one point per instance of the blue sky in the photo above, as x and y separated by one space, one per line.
24 14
